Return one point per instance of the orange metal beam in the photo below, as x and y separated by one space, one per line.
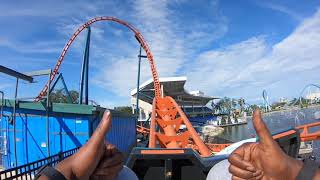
277 136
167 151
143 130
305 135
308 125
152 137
167 115
203 149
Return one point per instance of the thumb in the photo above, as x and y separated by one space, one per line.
261 129
88 157
99 134
97 140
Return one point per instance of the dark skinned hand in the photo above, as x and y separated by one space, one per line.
96 159
264 159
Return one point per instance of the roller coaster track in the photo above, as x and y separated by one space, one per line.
266 100
302 91
138 36
166 113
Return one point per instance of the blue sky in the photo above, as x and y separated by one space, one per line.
225 48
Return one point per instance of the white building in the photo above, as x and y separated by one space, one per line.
283 100
313 96
191 103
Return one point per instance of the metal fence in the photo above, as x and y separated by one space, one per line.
28 171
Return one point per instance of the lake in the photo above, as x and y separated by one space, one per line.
277 122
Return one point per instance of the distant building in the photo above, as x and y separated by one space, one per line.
313 96
197 93
283 100
192 103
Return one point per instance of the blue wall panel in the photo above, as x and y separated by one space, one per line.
122 133
31 137
66 132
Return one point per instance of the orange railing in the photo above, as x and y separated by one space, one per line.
305 135
215 148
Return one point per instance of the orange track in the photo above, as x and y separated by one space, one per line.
143 130
213 147
138 36
166 112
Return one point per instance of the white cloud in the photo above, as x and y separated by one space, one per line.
32 47
5 85
248 67
218 69
107 103
176 38
171 35
170 41
47 9
282 9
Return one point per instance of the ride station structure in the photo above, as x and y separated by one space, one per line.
194 103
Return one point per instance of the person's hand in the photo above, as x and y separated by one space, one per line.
110 164
264 159
96 159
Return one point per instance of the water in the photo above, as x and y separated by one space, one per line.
277 122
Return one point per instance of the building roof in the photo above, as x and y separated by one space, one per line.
174 87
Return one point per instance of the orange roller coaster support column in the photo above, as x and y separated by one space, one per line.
169 117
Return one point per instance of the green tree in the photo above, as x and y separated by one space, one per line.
124 109
60 96
302 102
241 103
224 105
277 105
251 108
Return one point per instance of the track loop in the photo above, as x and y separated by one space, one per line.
138 36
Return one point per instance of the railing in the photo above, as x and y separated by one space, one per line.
28 171
215 148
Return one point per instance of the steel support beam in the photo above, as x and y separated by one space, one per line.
138 84
84 81
60 77
87 53
16 74
14 123
48 118
39 73
138 81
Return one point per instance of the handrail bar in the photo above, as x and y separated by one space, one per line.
28 171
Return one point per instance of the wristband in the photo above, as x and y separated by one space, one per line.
51 173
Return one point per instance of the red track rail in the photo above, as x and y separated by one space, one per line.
138 36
